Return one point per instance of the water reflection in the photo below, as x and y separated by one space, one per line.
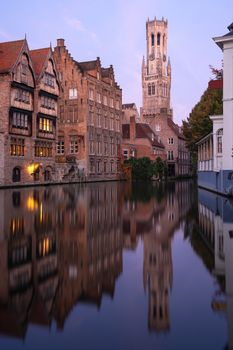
63 246
215 228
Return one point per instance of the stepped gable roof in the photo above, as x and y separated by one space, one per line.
128 105
175 128
143 131
88 65
9 52
105 72
39 57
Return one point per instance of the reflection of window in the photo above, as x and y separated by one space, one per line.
219 140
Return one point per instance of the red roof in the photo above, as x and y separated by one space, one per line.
215 84
39 57
9 52
143 131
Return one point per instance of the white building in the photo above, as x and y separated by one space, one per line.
215 151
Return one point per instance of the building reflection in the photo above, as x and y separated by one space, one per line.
154 213
62 246
58 246
215 219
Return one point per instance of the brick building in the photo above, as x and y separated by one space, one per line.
89 133
29 91
139 140
156 88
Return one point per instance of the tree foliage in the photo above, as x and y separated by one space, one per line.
198 123
144 168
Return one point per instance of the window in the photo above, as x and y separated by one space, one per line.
105 100
112 146
152 137
99 146
170 155
74 146
117 105
112 122
105 146
152 39
47 102
98 75
91 94
111 102
47 175
105 121
158 39
43 149
98 97
16 174
149 89
98 118
73 94
22 96
126 154
98 166
153 89
91 116
157 127
60 146
117 124
219 140
17 147
92 166
170 141
46 125
49 80
20 120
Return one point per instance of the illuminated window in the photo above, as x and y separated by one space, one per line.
45 125
17 147
43 149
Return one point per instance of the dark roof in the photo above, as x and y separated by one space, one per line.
9 52
38 58
106 72
88 65
175 128
128 105
143 131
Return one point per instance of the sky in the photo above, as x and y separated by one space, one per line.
115 30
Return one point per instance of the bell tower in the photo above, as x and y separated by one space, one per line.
156 69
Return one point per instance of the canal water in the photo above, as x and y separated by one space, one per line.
116 266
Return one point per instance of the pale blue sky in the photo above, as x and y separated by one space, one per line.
115 31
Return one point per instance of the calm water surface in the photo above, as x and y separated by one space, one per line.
116 266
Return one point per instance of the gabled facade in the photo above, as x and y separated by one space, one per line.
91 113
22 159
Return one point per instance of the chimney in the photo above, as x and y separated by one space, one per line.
60 42
132 128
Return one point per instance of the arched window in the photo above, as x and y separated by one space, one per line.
163 40
219 140
153 89
16 174
158 39
149 89
152 39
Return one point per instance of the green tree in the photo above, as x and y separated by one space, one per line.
159 168
198 123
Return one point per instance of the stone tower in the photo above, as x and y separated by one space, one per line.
156 70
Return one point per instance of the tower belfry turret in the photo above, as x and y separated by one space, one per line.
156 71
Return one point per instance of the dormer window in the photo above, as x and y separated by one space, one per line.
49 80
